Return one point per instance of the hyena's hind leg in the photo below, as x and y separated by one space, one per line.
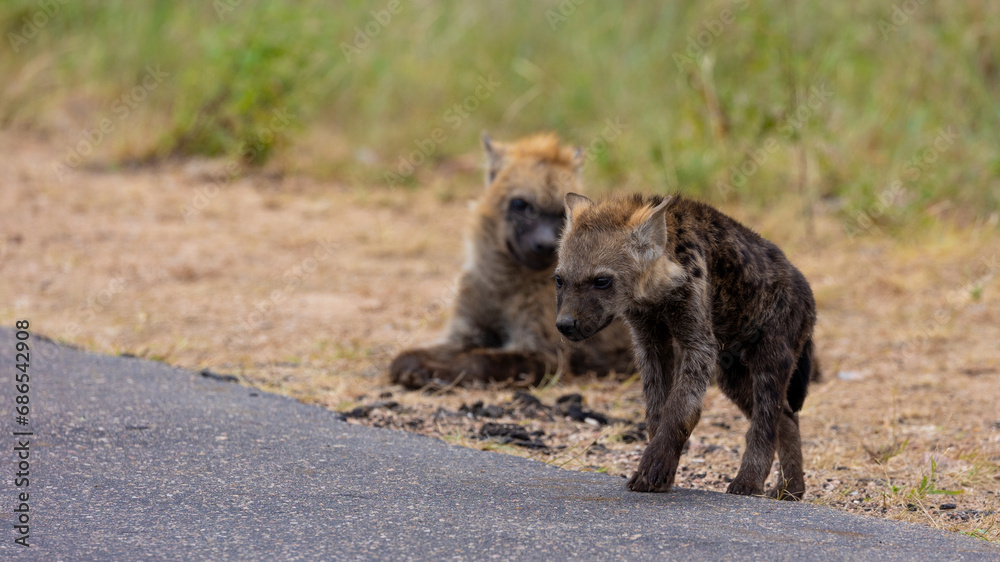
791 480
791 483
757 383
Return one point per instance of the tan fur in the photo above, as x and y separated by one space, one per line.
503 322
640 216
542 147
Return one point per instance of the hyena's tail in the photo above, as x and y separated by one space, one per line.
806 371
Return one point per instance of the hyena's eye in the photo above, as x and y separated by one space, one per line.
519 205
559 282
602 282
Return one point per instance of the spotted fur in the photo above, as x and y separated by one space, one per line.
706 300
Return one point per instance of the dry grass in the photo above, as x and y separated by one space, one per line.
907 333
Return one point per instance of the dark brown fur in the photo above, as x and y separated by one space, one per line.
502 327
706 299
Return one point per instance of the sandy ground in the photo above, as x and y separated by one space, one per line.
309 289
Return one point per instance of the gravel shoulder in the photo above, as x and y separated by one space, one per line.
134 459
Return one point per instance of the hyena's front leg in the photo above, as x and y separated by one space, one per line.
654 357
656 383
673 420
769 374
499 365
416 368
449 364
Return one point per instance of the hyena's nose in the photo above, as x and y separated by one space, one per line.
545 247
566 325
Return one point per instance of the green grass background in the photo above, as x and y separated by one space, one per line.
898 74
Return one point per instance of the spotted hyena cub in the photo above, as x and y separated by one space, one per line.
706 299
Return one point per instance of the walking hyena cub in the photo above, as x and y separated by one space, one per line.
692 284
503 323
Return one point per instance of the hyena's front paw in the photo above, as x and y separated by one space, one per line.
656 470
743 489
411 370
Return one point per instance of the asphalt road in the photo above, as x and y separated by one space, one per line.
132 459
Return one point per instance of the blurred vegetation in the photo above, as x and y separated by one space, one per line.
887 110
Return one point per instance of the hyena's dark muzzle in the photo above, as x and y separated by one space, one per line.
580 322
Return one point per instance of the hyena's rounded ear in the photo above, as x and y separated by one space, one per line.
575 201
650 234
494 158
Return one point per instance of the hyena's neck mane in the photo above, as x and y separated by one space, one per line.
658 281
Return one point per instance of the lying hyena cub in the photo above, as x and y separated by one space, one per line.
691 283
502 327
